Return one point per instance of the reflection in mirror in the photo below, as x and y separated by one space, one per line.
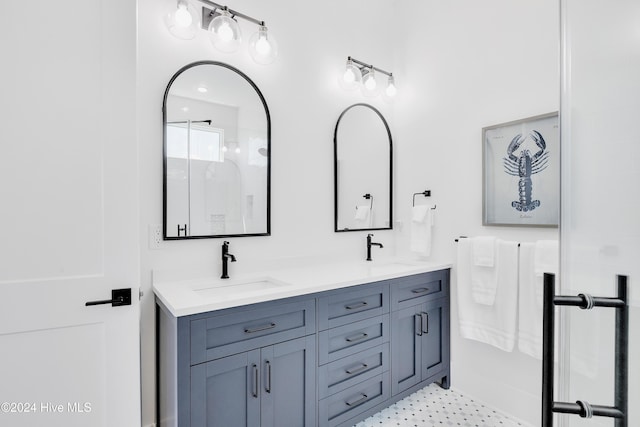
216 154
363 169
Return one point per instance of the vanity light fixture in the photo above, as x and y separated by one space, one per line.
221 23
358 74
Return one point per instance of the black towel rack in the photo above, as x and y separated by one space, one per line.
621 386
425 193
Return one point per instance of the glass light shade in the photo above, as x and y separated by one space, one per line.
370 85
224 32
182 20
351 77
391 89
263 47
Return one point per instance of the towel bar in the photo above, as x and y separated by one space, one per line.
621 385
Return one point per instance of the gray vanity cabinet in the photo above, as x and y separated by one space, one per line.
270 387
419 337
330 359
246 366
420 330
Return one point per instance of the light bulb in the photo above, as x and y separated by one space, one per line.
351 77
182 16
224 32
224 148
182 20
237 150
391 89
369 80
263 47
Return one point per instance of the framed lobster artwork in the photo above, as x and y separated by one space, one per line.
521 172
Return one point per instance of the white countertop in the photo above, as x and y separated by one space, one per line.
183 297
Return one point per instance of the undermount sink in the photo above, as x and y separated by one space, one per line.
227 288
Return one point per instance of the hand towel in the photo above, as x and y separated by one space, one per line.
484 279
530 297
484 249
362 213
546 257
421 226
492 324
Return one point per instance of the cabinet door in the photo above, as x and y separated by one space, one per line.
288 384
435 337
226 392
406 348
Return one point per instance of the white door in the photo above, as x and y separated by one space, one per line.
600 225
68 214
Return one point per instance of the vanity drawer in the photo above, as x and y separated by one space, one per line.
348 371
346 306
223 335
416 289
348 403
346 340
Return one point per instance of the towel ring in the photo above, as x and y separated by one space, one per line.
368 196
425 193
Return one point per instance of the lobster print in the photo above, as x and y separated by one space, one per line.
524 166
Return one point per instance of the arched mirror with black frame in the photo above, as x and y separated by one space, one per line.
217 154
363 174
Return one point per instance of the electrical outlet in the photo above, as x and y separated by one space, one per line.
155 236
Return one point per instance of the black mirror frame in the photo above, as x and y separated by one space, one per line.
164 154
335 171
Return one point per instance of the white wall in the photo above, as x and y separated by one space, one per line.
464 65
460 65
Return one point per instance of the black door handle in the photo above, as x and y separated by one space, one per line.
118 297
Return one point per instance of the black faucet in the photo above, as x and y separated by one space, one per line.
369 244
226 256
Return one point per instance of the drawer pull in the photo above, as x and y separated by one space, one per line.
259 328
420 290
425 322
358 337
254 393
358 401
356 305
361 368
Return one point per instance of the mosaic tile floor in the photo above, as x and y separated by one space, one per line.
434 406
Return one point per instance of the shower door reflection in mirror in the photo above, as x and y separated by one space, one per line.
216 154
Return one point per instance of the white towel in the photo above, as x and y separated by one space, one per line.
494 324
529 307
484 250
422 219
546 257
484 278
362 213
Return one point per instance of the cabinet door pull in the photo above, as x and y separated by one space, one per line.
425 322
356 305
254 393
357 401
259 328
418 324
358 337
267 386
361 368
420 290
